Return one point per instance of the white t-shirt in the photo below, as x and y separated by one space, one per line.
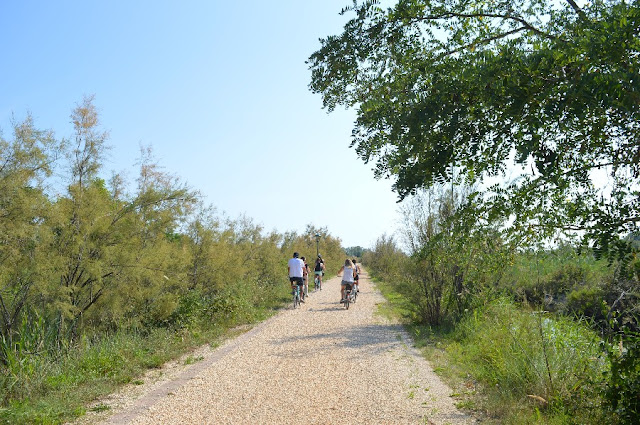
348 274
296 266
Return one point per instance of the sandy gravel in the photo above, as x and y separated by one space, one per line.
319 364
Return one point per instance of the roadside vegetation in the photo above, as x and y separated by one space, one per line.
525 336
103 279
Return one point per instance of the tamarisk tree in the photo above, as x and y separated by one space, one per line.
542 96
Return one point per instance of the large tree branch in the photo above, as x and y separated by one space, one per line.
620 223
480 42
577 9
10 318
525 24
91 302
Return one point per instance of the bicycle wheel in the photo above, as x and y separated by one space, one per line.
347 300
296 301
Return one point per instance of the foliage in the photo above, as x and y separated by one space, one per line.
528 366
511 365
548 90
24 163
622 394
355 251
453 264
386 259
531 358
86 263
576 284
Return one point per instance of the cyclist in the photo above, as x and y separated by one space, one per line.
318 271
348 273
306 276
356 278
295 268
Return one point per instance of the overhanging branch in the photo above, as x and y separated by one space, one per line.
505 17
577 9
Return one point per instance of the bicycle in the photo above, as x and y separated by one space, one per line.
317 283
348 297
295 291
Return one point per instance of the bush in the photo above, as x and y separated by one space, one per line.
549 287
586 302
529 358
622 394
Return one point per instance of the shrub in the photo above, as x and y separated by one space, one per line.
586 302
189 310
622 394
531 357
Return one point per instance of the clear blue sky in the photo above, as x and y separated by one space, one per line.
218 89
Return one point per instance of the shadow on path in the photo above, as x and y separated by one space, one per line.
374 339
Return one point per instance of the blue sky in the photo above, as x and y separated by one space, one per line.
218 89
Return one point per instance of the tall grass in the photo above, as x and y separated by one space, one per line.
53 389
530 364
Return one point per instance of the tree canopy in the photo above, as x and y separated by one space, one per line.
548 91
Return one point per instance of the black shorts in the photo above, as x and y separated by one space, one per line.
297 280
356 278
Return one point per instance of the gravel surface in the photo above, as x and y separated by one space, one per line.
318 364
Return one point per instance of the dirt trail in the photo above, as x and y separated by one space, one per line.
319 364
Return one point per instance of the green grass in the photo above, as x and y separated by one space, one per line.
47 389
65 385
510 365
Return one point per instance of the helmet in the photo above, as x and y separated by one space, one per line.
296 255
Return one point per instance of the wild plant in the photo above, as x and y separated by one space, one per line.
532 357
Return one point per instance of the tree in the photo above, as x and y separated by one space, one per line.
24 163
82 228
354 251
452 261
110 251
478 89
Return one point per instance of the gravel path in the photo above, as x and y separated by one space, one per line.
337 366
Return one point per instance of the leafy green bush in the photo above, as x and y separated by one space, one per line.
190 310
622 394
386 260
586 301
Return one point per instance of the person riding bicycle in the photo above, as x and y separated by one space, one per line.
306 276
348 273
295 268
356 278
318 271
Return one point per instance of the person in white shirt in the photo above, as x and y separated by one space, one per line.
296 270
348 273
